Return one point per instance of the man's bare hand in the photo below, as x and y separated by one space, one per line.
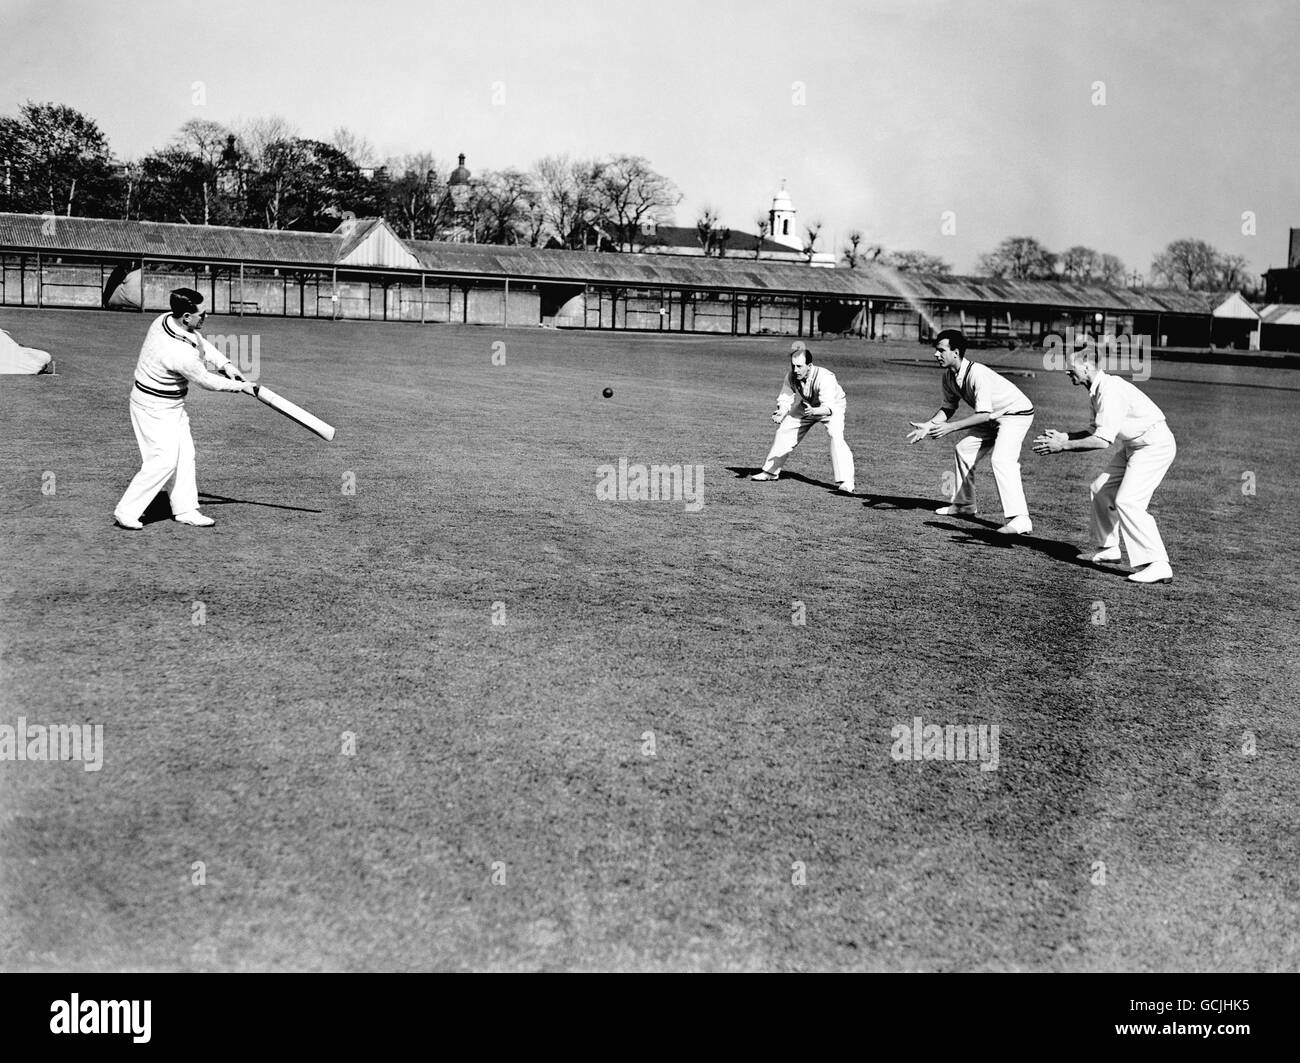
1050 442
922 430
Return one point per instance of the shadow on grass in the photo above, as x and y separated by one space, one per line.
207 499
743 473
900 502
986 532
161 507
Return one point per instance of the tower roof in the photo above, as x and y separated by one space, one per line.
781 201
460 175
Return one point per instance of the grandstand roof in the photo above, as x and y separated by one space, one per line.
48 232
268 247
872 282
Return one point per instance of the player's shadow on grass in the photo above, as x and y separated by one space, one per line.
986 532
900 502
745 474
161 507
207 499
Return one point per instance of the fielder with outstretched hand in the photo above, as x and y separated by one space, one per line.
1003 414
1120 495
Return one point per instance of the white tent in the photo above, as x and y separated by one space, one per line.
15 358
123 290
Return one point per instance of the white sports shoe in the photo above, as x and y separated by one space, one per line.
1156 572
844 489
1095 556
125 522
1021 525
195 519
956 511
766 476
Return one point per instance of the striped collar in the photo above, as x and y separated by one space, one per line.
178 334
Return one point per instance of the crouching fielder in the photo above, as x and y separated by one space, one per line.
1003 414
1120 495
809 394
174 353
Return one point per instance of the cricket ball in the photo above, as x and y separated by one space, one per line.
608 393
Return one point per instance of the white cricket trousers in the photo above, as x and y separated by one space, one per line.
1121 494
167 460
790 433
1003 438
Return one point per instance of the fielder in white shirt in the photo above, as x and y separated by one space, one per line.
1003 414
1120 495
810 395
174 353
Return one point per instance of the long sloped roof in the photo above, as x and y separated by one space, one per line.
46 232
300 249
734 272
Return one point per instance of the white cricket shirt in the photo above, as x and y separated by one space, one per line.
984 390
1120 410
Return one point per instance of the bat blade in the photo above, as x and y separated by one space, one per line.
294 412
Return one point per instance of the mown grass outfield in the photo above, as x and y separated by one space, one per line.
522 744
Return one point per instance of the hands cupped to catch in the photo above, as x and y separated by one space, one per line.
1050 442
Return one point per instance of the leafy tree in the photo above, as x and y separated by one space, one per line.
1194 265
415 196
171 187
56 160
916 262
1019 258
1083 265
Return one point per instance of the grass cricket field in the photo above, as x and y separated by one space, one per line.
423 700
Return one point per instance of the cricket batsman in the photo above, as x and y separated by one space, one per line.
173 355
810 395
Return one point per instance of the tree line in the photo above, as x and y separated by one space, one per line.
262 173
1187 265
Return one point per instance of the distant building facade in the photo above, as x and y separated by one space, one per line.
783 243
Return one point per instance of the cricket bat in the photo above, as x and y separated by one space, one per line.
293 411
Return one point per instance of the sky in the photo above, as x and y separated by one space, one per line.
935 125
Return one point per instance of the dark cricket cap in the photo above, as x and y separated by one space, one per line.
186 301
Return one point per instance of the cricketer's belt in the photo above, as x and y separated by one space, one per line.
163 394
